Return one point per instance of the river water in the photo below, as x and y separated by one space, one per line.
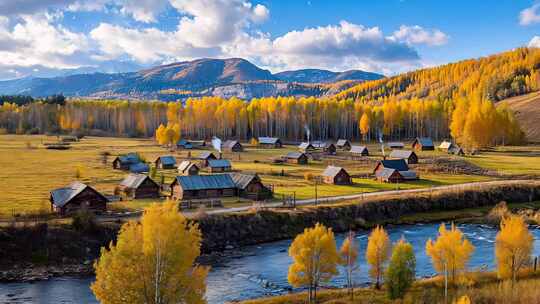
262 269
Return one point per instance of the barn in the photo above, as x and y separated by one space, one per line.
77 196
166 162
205 156
219 165
343 144
203 187
188 168
306 147
250 186
296 158
359 150
423 144
270 142
336 176
409 156
232 146
122 162
138 186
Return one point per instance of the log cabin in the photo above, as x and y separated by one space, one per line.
203 187
77 196
188 168
269 142
204 157
343 144
336 176
138 186
219 165
423 144
296 158
250 186
409 156
359 151
166 162
122 162
232 146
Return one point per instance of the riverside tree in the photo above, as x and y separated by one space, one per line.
377 253
513 247
449 253
349 260
152 261
315 259
401 270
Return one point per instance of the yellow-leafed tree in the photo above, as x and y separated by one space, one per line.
315 259
153 261
513 247
463 300
364 125
449 253
349 260
377 253
161 136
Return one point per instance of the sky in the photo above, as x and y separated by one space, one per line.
45 38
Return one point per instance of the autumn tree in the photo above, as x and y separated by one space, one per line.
152 261
401 270
513 247
449 253
364 125
377 253
349 260
315 259
160 135
463 300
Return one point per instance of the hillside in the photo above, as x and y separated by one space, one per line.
203 77
527 111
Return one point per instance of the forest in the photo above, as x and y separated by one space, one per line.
456 101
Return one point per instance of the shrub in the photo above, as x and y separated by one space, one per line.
253 141
308 176
84 221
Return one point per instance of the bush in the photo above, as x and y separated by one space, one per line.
308 176
84 221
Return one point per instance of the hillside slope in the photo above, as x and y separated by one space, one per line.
324 76
527 111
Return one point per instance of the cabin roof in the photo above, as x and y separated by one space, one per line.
205 182
342 142
305 145
167 160
133 180
130 158
332 171
386 172
186 165
206 155
62 196
295 155
219 163
403 154
268 140
139 168
242 180
358 149
425 141
230 143
445 145
409 174
398 164
322 144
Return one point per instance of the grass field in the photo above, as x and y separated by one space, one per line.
29 171
510 160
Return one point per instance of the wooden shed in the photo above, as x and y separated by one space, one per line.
203 187
327 147
395 145
139 168
409 156
206 156
219 165
184 144
359 150
336 175
296 158
232 146
122 162
456 150
188 168
389 175
398 164
77 196
138 186
166 162
250 186
270 142
423 144
343 144
306 147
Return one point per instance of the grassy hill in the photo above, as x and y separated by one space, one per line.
527 111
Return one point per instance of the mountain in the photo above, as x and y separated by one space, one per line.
203 77
324 76
527 111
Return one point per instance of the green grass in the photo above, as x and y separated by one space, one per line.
510 160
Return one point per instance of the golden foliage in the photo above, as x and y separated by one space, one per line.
153 261
377 253
513 246
349 259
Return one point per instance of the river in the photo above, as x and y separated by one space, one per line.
262 269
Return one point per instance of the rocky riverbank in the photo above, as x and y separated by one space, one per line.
41 251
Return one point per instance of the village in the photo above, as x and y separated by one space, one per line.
205 174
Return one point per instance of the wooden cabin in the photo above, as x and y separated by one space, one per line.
270 142
456 150
336 176
445 146
232 146
122 162
389 175
205 156
409 156
398 164
383 171
139 168
203 187
184 144
359 151
188 168
395 145
306 147
77 196
343 144
250 186
326 147
423 144
166 162
296 158
138 186
219 165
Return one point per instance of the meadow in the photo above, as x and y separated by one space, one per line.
29 171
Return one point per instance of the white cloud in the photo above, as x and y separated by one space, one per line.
529 15
143 10
418 35
535 42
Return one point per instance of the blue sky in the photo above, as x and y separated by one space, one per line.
54 37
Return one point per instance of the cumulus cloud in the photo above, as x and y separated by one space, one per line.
418 35
535 42
16 7
530 15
